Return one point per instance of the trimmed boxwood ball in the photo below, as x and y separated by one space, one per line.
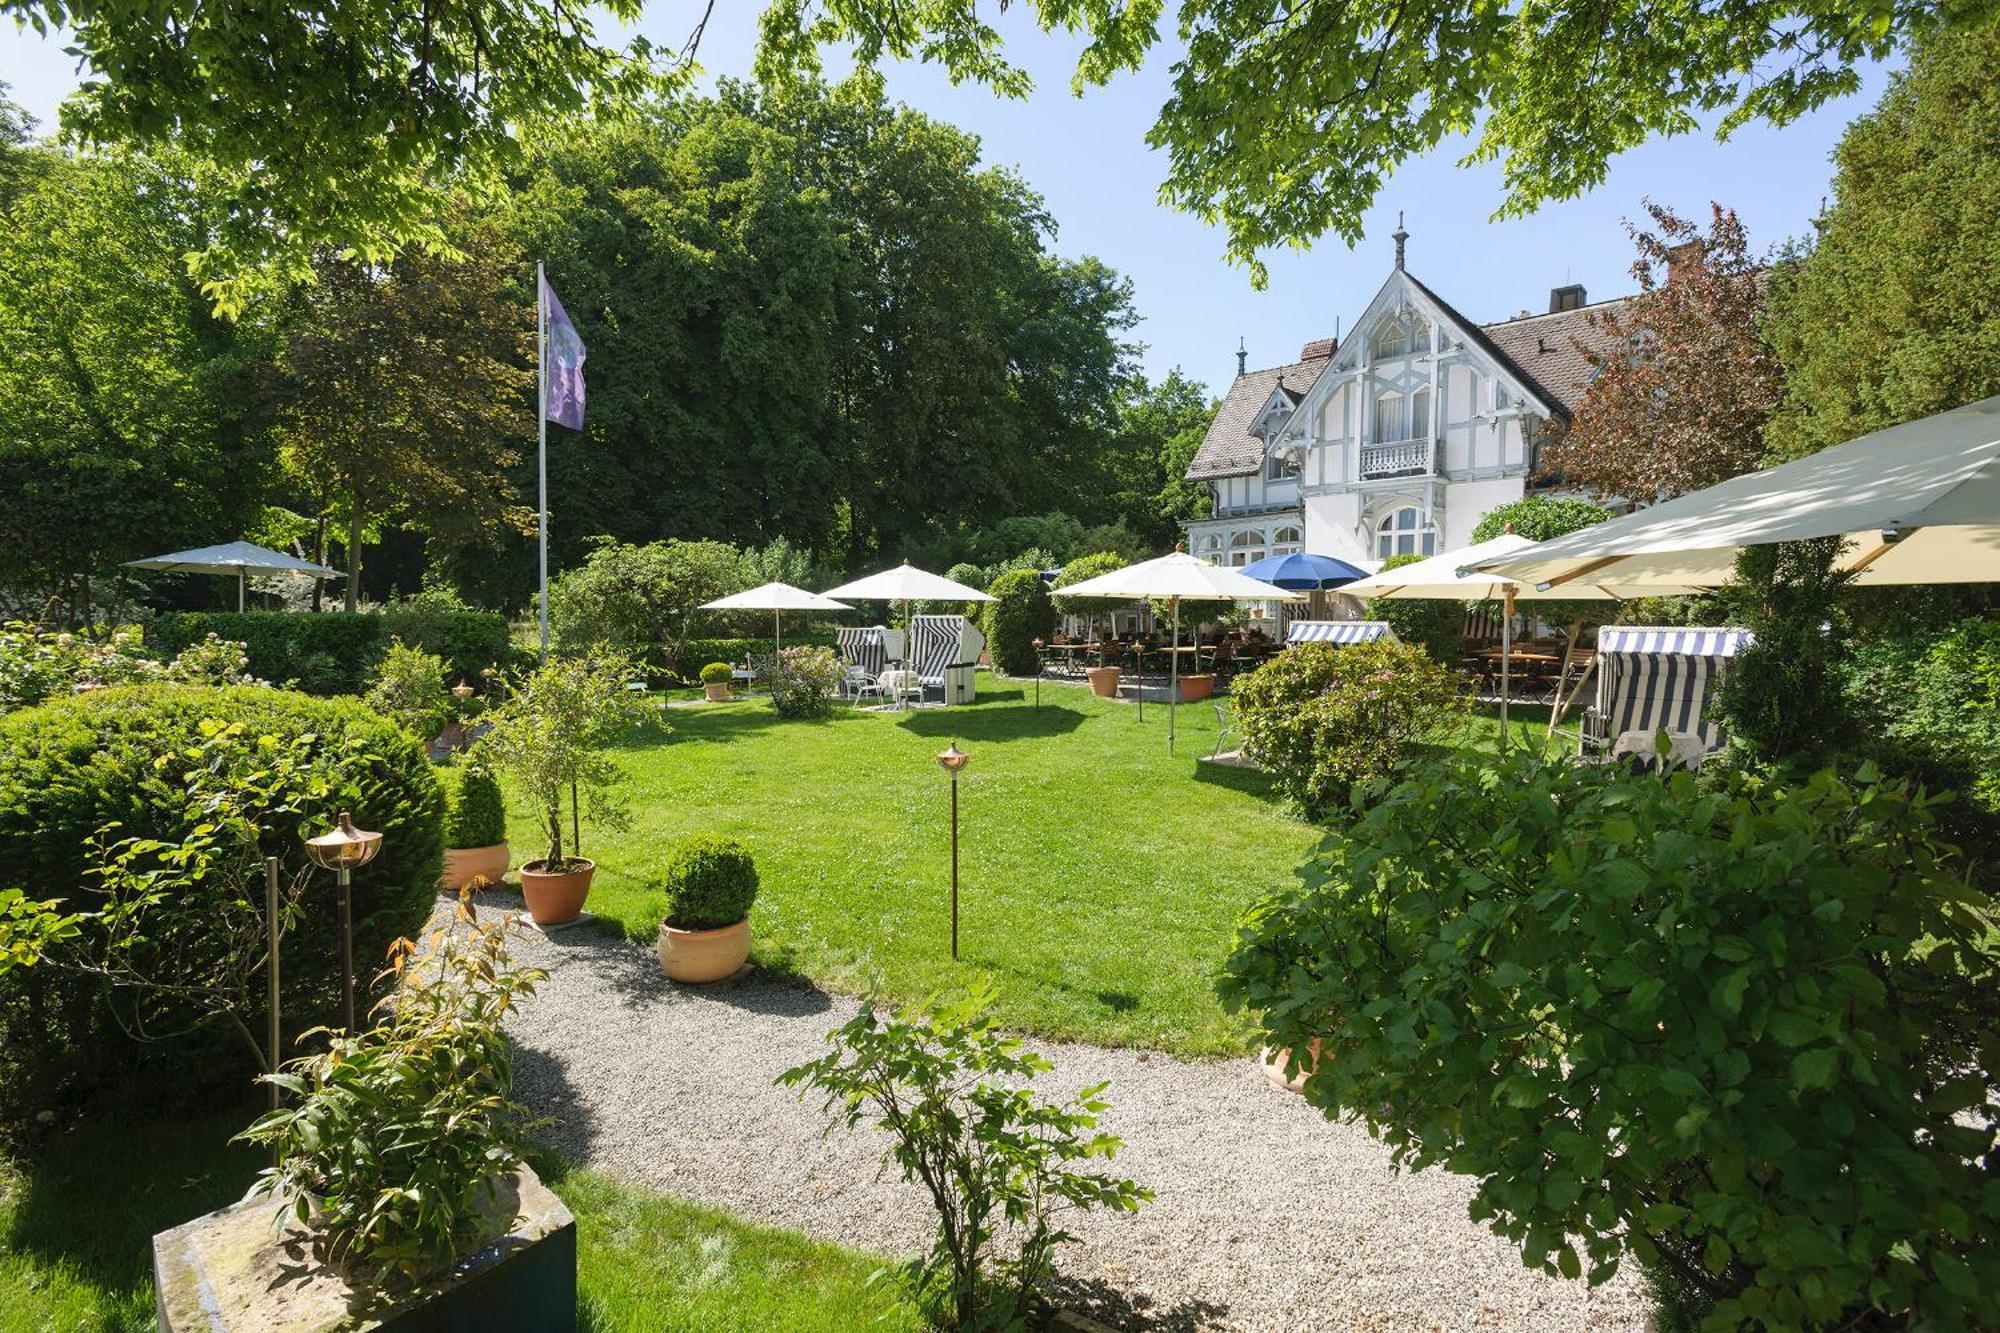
715 673
72 766
710 882
474 813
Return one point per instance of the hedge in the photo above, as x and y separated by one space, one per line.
684 667
474 813
69 767
335 652
1019 613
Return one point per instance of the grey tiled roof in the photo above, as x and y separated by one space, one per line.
1229 449
1540 349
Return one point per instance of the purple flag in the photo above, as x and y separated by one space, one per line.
562 364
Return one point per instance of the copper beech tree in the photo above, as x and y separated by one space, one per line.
1684 379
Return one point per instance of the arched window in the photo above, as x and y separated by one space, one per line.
1246 547
1209 544
1287 540
1402 335
1405 532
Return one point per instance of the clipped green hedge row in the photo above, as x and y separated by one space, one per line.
684 667
335 652
71 766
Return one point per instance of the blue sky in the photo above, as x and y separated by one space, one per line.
1089 159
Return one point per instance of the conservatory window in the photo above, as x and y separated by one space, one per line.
1246 547
1287 540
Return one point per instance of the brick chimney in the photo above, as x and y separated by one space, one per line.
1319 348
1683 261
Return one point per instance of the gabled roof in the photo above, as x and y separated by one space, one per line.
1229 449
1544 347
1538 351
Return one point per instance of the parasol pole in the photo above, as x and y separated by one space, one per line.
1506 655
1174 673
241 579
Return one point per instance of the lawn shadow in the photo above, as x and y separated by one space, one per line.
1252 781
91 1199
982 724
1102 1301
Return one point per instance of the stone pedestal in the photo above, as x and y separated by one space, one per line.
234 1271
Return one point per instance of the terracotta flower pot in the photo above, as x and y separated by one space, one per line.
555 900
697 956
1196 687
464 865
1274 1066
1103 681
716 692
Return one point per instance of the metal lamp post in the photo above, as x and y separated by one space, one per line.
951 760
343 851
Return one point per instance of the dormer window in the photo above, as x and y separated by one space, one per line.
1283 463
1402 334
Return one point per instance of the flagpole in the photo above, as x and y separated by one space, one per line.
542 450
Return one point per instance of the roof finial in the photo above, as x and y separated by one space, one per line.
1399 236
1242 355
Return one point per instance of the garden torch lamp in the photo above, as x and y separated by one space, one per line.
951 760
342 851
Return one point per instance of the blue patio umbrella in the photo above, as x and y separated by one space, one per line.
1302 571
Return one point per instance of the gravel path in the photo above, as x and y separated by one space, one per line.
1267 1216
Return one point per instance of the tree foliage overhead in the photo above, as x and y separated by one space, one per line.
1890 317
1285 119
340 125
1684 381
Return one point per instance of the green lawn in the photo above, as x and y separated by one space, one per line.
76 1227
1101 877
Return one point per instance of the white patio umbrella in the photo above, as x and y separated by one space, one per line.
1455 576
906 583
1180 577
777 598
239 558
1919 503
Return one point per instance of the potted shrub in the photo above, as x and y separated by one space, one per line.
715 682
401 1196
547 733
1197 687
475 828
710 882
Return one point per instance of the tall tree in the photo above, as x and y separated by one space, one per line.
406 394
130 429
1165 423
1285 119
1684 381
1891 316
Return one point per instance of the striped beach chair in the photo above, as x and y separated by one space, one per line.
1340 632
1653 678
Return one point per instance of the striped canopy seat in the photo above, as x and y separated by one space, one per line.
1337 631
862 650
1653 678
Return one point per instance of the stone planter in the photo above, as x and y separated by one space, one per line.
232 1271
699 956
478 866
1197 687
1274 1062
556 900
716 692
1103 681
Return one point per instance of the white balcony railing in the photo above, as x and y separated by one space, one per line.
1398 458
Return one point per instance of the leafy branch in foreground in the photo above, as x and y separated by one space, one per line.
997 1161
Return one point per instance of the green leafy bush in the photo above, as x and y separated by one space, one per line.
1020 613
805 682
38 664
1784 701
999 1163
409 690
1433 624
643 601
685 665
716 673
475 815
1706 1022
1939 695
73 766
710 882
1089 567
549 732
335 652
1320 718
399 1130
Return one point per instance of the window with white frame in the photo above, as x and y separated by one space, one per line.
1287 540
1208 545
1391 418
1246 547
1420 416
1282 463
1405 531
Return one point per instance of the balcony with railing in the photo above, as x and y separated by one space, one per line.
1398 458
